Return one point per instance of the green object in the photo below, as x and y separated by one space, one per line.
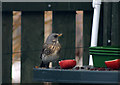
102 54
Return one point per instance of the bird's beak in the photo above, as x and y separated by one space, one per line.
59 34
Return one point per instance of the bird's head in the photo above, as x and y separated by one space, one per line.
53 37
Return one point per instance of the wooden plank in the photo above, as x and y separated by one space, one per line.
107 21
32 38
87 28
115 28
100 31
86 6
45 6
64 22
6 46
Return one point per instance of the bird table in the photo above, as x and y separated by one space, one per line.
75 76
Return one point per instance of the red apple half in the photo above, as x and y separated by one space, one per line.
66 64
114 64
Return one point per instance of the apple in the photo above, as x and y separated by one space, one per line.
66 64
114 64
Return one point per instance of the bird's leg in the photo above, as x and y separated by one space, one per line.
42 64
47 65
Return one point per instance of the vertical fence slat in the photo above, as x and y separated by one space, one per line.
119 27
115 29
6 46
100 31
107 10
111 24
87 27
32 38
64 22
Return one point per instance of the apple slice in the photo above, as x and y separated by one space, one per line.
66 64
114 64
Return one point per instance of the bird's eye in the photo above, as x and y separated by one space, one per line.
56 36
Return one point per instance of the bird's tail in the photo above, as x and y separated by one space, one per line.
42 64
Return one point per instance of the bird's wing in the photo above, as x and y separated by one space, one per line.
47 49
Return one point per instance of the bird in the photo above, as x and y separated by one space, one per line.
50 50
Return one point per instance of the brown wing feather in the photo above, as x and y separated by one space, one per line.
49 49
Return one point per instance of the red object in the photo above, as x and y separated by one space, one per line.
114 64
66 64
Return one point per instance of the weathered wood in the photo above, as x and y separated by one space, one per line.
87 28
32 38
6 46
43 6
64 22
